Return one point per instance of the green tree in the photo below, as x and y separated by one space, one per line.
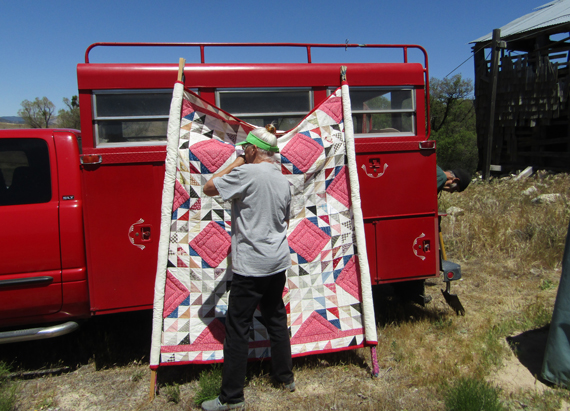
69 118
37 113
452 121
446 96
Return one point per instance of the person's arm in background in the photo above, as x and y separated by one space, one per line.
441 178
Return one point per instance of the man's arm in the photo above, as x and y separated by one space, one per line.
210 188
441 178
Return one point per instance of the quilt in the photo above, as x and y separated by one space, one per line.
327 295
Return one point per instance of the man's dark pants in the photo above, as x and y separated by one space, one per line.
245 295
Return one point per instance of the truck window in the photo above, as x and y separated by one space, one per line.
140 117
284 108
122 117
382 112
376 111
24 171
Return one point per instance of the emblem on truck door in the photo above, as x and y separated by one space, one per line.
374 166
417 247
139 234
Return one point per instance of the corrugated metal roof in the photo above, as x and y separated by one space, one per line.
549 14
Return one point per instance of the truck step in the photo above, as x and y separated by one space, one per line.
38 333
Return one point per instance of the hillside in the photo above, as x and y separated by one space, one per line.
12 119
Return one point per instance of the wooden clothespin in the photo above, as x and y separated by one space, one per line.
181 64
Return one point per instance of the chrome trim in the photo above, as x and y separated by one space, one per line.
149 143
309 90
135 91
131 118
30 334
383 111
27 281
269 113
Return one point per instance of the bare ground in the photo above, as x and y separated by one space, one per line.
108 360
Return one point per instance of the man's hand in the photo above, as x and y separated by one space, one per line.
210 188
451 183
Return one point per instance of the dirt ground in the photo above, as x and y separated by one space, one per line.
127 387
107 369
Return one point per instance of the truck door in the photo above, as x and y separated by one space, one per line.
400 210
397 183
30 263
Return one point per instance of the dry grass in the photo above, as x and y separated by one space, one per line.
501 223
510 251
6 126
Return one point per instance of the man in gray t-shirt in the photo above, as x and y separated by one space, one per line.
260 211
261 202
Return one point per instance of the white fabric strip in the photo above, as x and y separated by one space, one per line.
367 302
165 219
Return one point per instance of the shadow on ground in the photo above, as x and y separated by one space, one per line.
181 374
108 340
121 339
529 348
399 304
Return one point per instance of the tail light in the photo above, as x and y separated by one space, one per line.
427 145
91 159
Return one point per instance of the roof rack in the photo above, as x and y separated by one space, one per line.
307 46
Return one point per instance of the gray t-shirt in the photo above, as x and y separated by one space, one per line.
261 202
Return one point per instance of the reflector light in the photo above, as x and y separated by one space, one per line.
91 159
428 144
450 275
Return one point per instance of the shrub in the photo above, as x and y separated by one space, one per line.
172 393
7 391
469 394
210 383
7 397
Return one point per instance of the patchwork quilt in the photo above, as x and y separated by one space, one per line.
327 294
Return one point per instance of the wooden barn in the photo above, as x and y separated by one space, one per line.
531 107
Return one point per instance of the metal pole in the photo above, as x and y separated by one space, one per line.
494 76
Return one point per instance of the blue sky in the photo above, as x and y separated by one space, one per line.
43 41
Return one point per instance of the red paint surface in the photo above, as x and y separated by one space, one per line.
87 240
45 240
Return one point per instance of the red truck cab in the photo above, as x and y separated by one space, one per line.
43 274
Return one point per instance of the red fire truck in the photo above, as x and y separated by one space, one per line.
80 212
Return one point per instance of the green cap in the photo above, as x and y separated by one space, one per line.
256 141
